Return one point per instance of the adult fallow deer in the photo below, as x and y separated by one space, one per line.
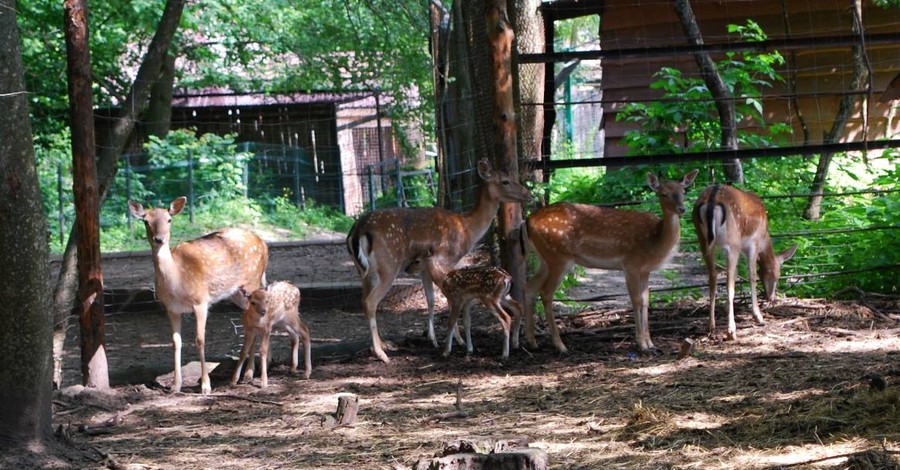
736 221
384 242
564 234
198 273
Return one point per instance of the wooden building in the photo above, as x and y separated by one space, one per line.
332 137
638 37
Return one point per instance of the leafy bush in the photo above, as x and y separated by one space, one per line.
685 118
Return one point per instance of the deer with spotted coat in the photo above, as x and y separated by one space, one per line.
198 273
638 243
278 305
385 242
736 221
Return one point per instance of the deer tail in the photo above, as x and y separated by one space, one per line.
359 246
714 218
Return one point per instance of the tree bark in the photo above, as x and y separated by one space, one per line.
500 37
25 315
158 119
720 92
529 88
860 75
111 148
94 369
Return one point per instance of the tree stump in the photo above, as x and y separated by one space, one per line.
520 459
348 406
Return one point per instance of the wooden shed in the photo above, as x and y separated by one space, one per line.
639 37
336 135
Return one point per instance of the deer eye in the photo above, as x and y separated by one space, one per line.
170 220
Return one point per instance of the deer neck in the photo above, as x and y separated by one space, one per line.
668 231
478 220
766 252
165 266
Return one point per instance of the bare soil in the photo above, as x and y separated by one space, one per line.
817 387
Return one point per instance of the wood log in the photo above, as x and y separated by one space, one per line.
521 459
348 406
485 444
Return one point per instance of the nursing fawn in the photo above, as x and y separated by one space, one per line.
275 306
489 284
385 242
198 273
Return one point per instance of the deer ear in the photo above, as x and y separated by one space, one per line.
787 254
177 205
244 292
652 181
689 178
136 210
484 169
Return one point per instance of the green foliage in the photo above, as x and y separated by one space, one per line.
210 161
416 188
685 118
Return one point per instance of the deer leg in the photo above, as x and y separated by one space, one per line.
638 291
200 311
375 287
264 358
709 257
515 307
451 326
428 287
467 325
295 351
732 257
531 289
246 351
175 321
752 261
307 350
554 278
505 323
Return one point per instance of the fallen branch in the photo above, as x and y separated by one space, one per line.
235 397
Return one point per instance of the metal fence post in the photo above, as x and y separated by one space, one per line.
59 197
128 188
371 187
191 186
246 174
297 196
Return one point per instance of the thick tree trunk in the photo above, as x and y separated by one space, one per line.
158 119
459 114
860 75
500 37
529 88
111 148
94 367
724 100
25 315
440 56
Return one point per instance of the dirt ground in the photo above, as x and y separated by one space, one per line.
817 387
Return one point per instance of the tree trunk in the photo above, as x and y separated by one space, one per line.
158 119
724 100
460 115
860 75
25 315
529 26
94 367
110 149
500 37
440 57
